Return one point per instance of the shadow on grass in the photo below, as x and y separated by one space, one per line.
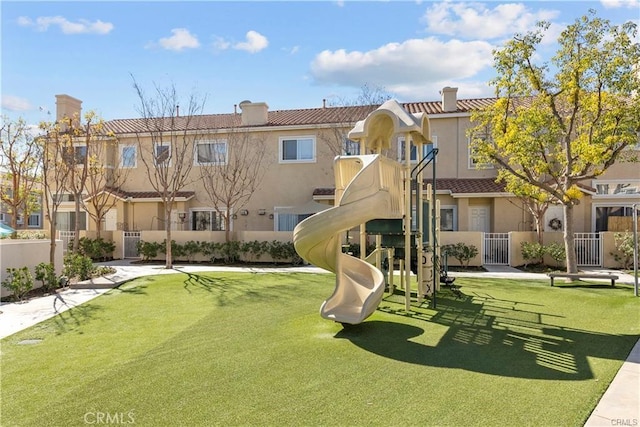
497 337
224 288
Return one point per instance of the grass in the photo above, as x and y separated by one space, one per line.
251 349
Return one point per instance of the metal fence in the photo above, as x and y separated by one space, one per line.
131 239
588 249
496 248
66 237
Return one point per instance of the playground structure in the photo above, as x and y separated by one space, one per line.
375 193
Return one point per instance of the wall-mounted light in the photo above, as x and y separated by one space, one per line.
261 211
234 216
244 212
182 216
270 216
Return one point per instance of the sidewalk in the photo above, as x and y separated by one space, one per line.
620 404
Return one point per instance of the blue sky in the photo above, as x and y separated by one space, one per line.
287 54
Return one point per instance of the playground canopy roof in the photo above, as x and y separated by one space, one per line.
387 120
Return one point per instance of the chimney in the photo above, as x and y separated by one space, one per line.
324 103
449 99
254 113
67 106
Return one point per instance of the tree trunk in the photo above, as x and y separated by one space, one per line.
76 237
52 245
569 241
540 228
167 225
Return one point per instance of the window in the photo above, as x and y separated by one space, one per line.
297 149
162 154
426 149
613 218
75 155
211 153
2 217
64 197
206 220
350 147
287 222
617 188
128 156
34 220
66 221
448 218
473 162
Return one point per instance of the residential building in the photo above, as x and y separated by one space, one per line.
298 179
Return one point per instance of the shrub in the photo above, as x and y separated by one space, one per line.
148 250
19 281
96 249
624 249
77 265
532 252
46 273
190 249
461 251
557 252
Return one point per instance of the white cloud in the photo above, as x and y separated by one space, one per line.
82 26
613 4
15 103
254 43
477 21
181 39
414 68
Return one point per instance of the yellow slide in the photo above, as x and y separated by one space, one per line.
367 187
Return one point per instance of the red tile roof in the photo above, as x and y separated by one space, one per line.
146 194
296 117
454 185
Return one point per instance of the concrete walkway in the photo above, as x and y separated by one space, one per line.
619 406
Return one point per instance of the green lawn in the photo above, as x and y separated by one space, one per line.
251 349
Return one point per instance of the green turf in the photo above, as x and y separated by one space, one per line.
251 349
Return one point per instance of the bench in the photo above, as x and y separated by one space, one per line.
579 276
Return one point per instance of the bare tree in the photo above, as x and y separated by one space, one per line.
167 144
346 112
83 137
104 178
53 146
232 172
20 165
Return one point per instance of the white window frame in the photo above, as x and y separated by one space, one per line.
217 215
425 147
215 142
75 157
122 147
34 216
471 162
276 217
635 183
454 210
350 143
155 153
282 140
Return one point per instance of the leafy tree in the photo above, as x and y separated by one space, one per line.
559 123
20 165
234 177
167 145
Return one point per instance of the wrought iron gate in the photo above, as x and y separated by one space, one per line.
496 248
66 237
131 239
588 249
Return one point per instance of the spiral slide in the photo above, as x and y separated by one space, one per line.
359 285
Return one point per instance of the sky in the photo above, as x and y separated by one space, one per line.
288 54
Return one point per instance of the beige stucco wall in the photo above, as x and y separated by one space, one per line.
20 253
467 237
